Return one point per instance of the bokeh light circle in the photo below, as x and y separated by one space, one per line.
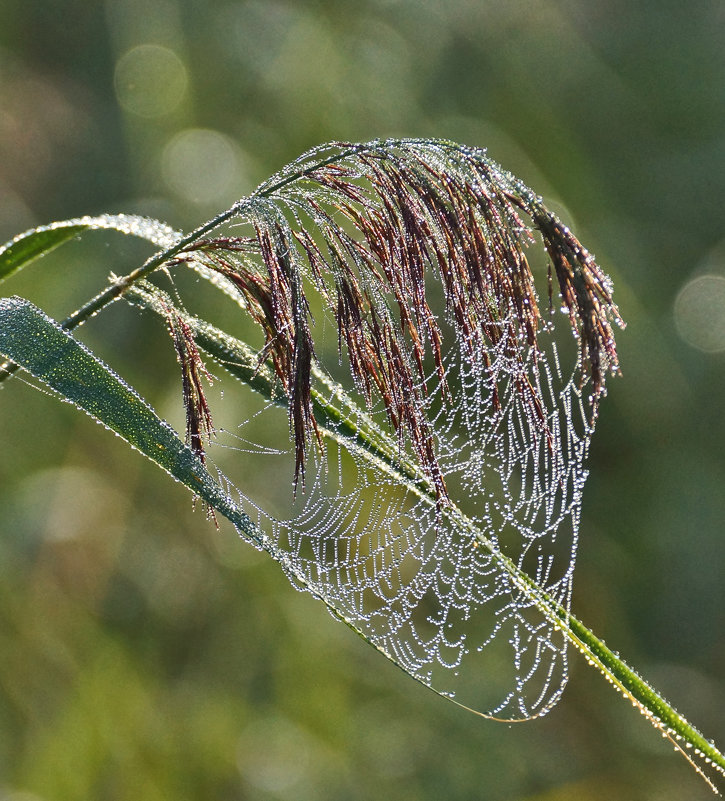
700 313
202 166
150 80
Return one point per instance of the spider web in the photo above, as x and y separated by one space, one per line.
424 584
437 487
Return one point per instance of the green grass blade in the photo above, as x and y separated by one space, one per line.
44 349
36 242
369 440
39 345
28 246
32 244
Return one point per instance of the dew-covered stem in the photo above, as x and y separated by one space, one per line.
339 418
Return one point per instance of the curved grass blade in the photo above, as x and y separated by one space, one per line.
30 245
36 242
242 363
568 260
39 345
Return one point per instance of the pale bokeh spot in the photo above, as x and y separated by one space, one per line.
700 313
203 167
150 80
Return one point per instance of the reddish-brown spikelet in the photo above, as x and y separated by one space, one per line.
379 221
586 294
199 422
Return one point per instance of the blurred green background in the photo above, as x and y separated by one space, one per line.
144 655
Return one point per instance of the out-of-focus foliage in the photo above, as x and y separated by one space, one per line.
145 655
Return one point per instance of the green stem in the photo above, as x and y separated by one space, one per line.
339 418
119 286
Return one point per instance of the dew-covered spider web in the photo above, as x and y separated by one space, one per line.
419 581
416 455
